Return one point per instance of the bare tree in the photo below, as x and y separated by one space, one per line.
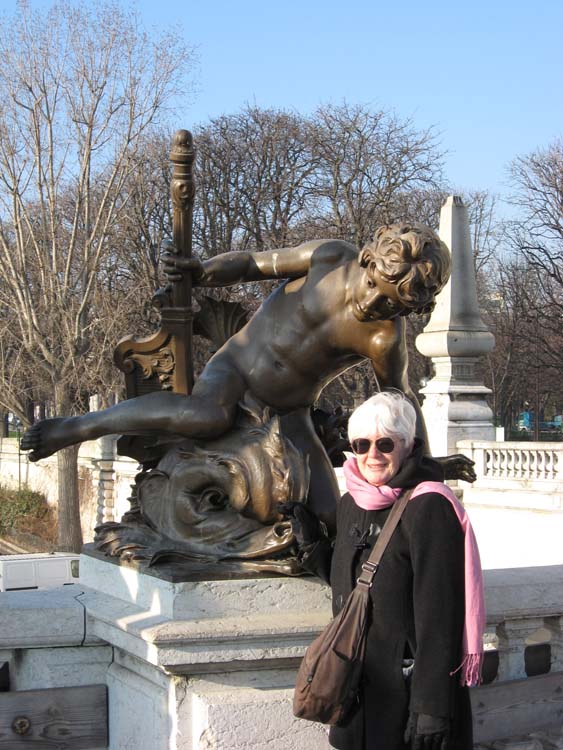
268 178
367 161
81 87
509 366
254 170
537 236
520 370
139 233
487 230
538 194
17 394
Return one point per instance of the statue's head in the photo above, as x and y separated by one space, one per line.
406 265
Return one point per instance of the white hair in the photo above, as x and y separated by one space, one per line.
389 413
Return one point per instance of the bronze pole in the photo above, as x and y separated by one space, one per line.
182 190
179 318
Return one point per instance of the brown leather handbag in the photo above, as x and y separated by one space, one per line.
329 678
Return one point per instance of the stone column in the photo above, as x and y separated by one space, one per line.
103 474
104 479
454 406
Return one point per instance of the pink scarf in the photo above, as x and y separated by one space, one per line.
368 497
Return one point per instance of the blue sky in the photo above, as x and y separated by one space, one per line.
487 75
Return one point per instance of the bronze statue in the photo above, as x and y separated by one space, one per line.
336 307
216 501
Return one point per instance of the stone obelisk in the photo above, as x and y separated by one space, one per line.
455 406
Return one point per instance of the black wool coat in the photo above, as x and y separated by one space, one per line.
417 612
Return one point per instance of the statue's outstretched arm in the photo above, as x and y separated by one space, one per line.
239 266
390 360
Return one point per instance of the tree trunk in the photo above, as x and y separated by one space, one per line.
70 531
4 424
30 411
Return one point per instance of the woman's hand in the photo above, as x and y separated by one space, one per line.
426 732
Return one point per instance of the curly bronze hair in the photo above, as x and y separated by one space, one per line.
414 258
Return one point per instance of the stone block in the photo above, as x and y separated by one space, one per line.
142 712
201 600
41 668
193 646
35 619
248 717
523 592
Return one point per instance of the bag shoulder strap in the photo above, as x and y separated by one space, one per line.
369 568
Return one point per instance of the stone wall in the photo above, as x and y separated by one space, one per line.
210 665
104 480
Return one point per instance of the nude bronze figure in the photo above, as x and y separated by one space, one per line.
337 307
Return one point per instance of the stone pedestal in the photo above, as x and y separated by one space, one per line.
455 406
203 664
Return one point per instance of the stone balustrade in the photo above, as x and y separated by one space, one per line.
104 479
524 609
533 472
516 504
191 663
520 461
521 700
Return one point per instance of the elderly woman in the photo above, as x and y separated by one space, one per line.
424 642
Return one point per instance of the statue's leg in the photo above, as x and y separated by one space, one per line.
207 412
323 488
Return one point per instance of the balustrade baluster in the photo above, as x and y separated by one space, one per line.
512 635
509 462
488 462
525 457
550 464
516 464
542 474
555 627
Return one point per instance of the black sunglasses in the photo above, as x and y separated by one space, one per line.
383 445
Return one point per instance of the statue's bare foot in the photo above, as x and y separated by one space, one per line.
46 437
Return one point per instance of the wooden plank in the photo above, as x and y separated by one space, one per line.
73 718
506 709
